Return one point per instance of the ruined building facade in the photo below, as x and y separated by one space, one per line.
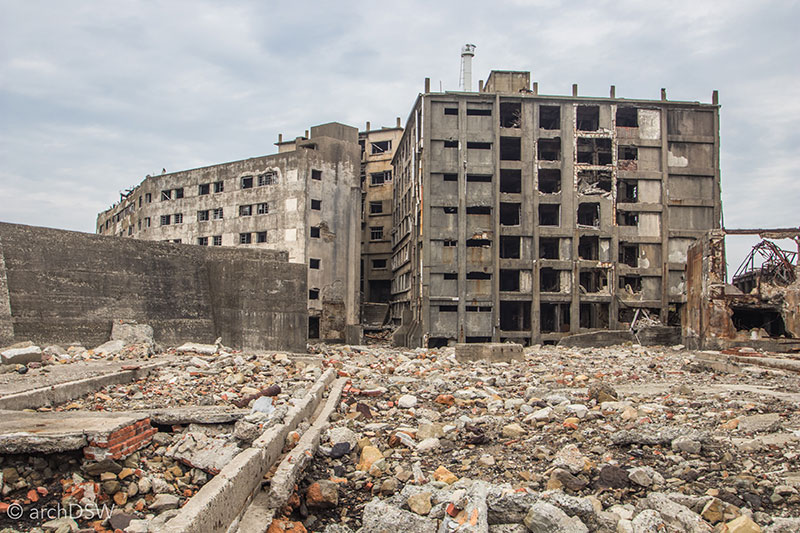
304 200
525 217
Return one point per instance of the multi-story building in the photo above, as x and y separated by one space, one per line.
303 200
377 150
526 217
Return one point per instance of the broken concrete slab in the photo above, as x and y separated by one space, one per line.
493 352
132 333
597 339
193 347
201 451
195 415
22 356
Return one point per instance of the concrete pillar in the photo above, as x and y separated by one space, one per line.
536 87
613 91
280 137
6 324
663 94
427 85
480 86
306 135
399 122
715 97
574 89
368 125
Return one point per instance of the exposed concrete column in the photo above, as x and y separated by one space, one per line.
353 266
6 325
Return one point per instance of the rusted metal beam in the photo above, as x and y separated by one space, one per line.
774 231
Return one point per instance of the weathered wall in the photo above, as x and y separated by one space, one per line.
68 287
6 327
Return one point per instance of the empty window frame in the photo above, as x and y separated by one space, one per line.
261 237
630 284
202 241
549 149
594 181
451 111
314 232
378 264
479 111
510 148
316 205
589 214
448 210
629 254
510 180
375 208
479 243
479 210
589 247
509 247
245 210
450 275
509 214
449 243
549 214
548 247
381 147
165 220
203 189
554 317
245 238
594 151
515 316
217 213
216 240
449 177
179 193
476 145
376 233
316 174
448 308
267 178
451 144
509 280
627 191
626 152
478 275
379 178
148 197
313 294
627 117
479 178
313 327
166 195
549 180
627 218
593 315
219 186
550 117
247 182
510 114
587 118
146 222
549 280
313 263
262 208
177 218
593 280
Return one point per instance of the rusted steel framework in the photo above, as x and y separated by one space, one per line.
777 265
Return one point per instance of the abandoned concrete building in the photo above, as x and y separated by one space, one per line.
303 200
377 150
524 217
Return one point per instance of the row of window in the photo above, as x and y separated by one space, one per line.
587 117
205 188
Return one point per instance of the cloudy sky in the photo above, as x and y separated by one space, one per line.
94 95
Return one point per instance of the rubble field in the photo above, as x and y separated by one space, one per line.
618 439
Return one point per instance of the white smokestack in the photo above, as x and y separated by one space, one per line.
467 53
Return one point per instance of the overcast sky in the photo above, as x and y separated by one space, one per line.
95 95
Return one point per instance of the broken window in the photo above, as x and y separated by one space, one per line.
510 180
549 180
479 210
376 233
627 191
269 178
479 178
375 208
593 280
450 210
550 117
449 243
510 114
588 247
216 240
451 144
316 205
515 316
629 254
165 219
510 148
450 275
478 275
247 182
549 280
768 319
202 241
148 197
549 149
219 186
509 214
587 118
548 248
166 195
261 237
313 294
262 208
205 188
177 218
179 193
313 327
146 222
509 280
479 145
594 151
479 112
380 147
589 214
314 232
626 218
451 111
626 152
509 247
476 243
313 263
378 264
549 214
448 308
450 177
593 315
217 213
630 284
594 181
554 317
316 174
245 238
379 178
245 210
627 117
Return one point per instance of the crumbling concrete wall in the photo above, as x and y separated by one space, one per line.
66 287
6 327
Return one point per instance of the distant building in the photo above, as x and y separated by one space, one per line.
303 200
525 217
